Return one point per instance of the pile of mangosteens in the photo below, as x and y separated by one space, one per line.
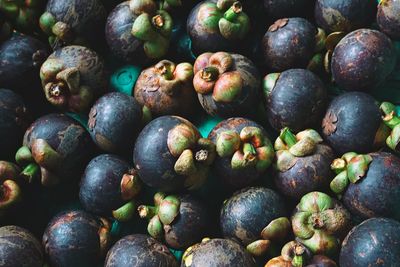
209 133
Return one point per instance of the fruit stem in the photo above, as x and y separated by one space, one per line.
158 21
288 137
201 155
30 171
209 74
298 258
147 212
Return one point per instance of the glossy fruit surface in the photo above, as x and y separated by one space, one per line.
277 9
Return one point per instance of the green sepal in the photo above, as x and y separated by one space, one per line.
46 22
358 167
227 143
394 138
126 212
155 228
234 29
276 230
31 171
339 183
301 226
322 243
24 156
169 209
315 202
258 247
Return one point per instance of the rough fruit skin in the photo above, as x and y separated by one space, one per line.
289 46
18 247
362 60
114 121
388 18
217 252
376 194
139 251
374 242
248 211
297 101
344 15
351 123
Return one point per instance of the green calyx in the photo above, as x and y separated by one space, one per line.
318 221
125 212
22 14
289 146
249 148
275 231
155 31
350 168
295 253
173 77
57 31
269 83
392 120
163 213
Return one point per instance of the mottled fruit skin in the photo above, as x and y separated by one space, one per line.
351 123
14 120
72 239
277 9
217 252
309 173
375 242
20 59
18 247
297 101
377 194
289 43
114 121
119 38
67 137
362 60
248 211
100 186
139 251
388 18
344 15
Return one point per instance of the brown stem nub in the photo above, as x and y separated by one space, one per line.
158 21
209 74
201 155
237 7
57 89
317 222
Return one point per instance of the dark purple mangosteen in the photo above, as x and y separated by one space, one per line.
73 77
255 217
108 187
295 98
374 242
277 9
388 18
344 15
138 32
227 84
217 252
218 25
167 89
291 43
14 120
10 191
171 155
369 185
295 253
19 247
76 238
114 122
353 123
140 251
73 22
178 220
244 152
303 163
362 60
56 148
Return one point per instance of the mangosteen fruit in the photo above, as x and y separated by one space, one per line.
178 220
140 251
73 77
10 191
374 242
344 15
244 152
14 120
362 60
114 122
303 163
353 122
255 217
388 18
319 222
295 98
227 84
167 89
56 148
277 9
217 252
19 247
73 22
369 184
392 120
76 238
171 155
138 32
295 254
291 43
217 25
108 187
